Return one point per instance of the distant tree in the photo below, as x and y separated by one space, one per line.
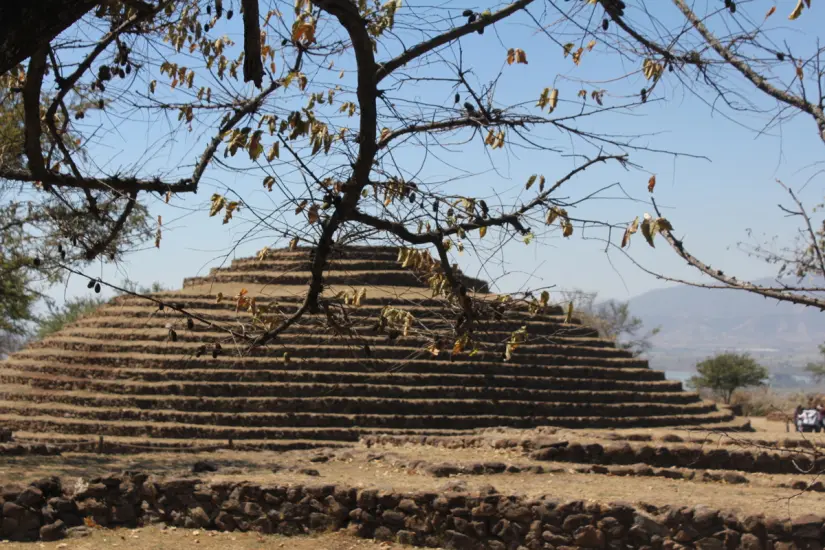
817 370
72 310
613 320
725 373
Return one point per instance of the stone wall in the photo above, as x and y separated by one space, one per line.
47 511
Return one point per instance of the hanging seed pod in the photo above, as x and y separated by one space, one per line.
161 306
467 13
90 284
229 14
605 24
190 324
457 98
97 288
36 262
173 335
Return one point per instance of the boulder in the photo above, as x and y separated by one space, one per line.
53 531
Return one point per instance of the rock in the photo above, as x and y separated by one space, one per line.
442 470
12 510
750 541
309 472
393 518
31 497
124 513
589 537
649 526
574 521
408 506
806 527
8 527
200 517
458 541
405 537
49 486
202 466
384 534
520 514
53 531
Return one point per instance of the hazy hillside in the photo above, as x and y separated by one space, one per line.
697 322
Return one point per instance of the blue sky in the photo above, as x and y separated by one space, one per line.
710 203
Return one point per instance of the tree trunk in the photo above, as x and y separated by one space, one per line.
27 25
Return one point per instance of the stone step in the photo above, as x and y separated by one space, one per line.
376 349
560 366
370 419
164 430
345 405
306 388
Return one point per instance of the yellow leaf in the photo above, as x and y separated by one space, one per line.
293 243
568 48
384 133
568 318
218 203
274 152
649 229
312 214
287 358
770 12
651 183
800 74
511 56
631 229
521 56
554 98
797 11
482 231
531 181
545 297
541 184
263 253
300 207
219 298
567 229
269 181
591 45
663 225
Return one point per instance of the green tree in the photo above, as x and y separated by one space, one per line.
817 370
72 310
725 373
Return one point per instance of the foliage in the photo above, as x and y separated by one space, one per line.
725 373
613 320
817 370
71 310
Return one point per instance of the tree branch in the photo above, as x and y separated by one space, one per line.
748 72
420 49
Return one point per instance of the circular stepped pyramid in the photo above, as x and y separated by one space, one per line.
116 373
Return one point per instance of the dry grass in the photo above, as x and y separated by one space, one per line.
159 538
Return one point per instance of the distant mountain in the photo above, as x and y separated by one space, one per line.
698 322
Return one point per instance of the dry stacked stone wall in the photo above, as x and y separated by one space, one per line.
45 510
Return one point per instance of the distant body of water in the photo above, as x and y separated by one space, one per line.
790 381
680 375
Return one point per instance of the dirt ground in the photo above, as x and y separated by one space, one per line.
389 468
158 538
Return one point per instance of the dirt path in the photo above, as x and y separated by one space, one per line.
158 538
